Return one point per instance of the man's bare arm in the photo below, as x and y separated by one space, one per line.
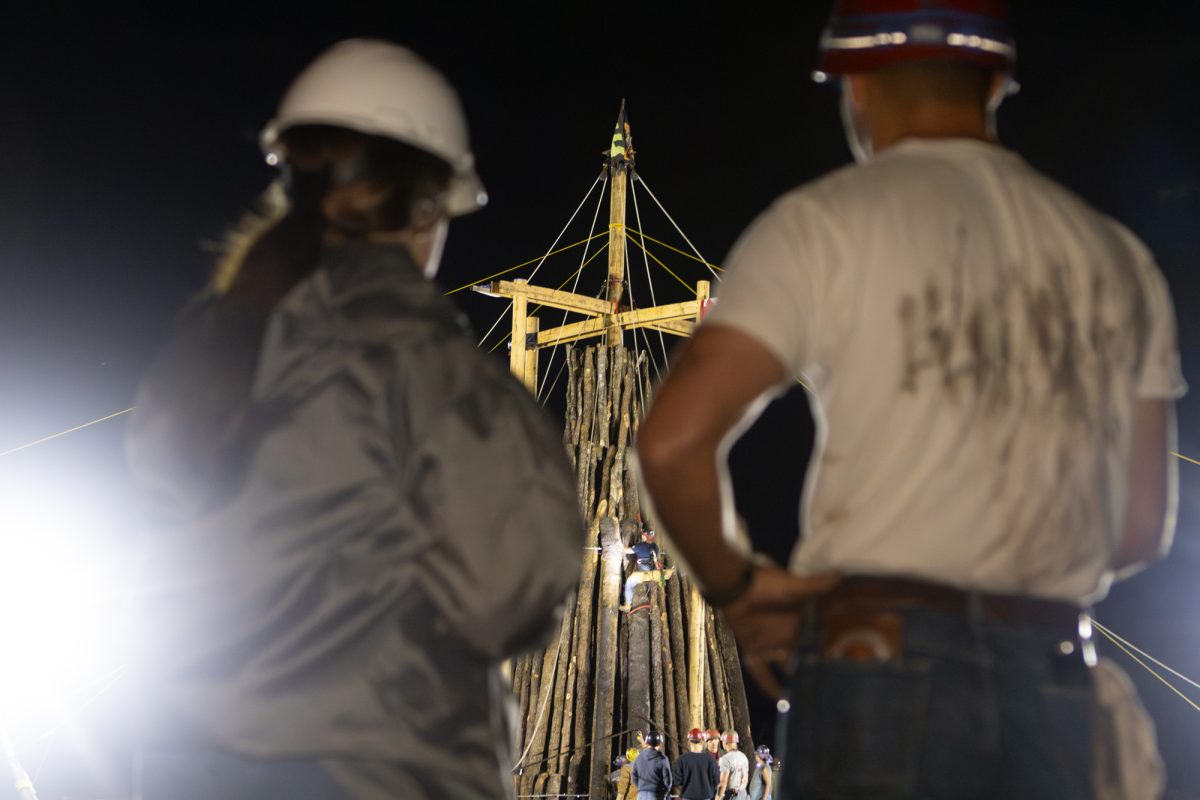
1153 488
715 381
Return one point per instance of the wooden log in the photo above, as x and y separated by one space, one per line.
676 625
637 703
521 689
582 653
696 611
737 685
720 690
609 590
558 706
710 704
670 707
659 711
536 660
616 497
538 735
587 448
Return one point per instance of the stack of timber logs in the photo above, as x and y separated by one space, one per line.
669 664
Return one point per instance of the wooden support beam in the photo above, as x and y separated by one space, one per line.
684 328
543 295
530 375
626 320
516 352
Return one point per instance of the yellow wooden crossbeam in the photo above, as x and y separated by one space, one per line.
543 295
678 328
663 318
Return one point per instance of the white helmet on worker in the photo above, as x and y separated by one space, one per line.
381 89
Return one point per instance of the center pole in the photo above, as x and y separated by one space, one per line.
620 162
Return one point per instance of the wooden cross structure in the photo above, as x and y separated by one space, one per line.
603 317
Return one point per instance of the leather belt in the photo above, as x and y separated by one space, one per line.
868 591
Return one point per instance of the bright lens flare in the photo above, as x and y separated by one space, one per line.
63 598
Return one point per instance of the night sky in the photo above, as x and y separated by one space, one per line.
128 147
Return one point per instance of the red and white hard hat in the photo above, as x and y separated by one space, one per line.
696 735
712 733
865 35
381 89
729 737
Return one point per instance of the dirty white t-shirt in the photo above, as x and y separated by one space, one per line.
975 336
737 764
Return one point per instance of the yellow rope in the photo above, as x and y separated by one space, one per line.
1149 669
64 433
526 264
1185 458
661 264
676 249
1143 653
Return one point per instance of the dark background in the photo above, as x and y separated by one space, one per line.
127 146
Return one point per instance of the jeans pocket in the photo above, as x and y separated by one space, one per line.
856 729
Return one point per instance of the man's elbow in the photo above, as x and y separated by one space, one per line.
661 450
1147 537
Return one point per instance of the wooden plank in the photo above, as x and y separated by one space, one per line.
531 358
684 328
545 296
626 320
516 351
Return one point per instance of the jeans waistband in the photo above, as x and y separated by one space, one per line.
868 591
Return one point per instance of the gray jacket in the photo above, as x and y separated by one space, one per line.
402 519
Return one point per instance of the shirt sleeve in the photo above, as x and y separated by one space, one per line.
772 286
1160 376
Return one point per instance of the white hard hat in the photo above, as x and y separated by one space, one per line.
381 89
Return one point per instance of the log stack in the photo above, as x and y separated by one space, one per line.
610 675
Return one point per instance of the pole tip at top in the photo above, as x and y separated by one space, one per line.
621 150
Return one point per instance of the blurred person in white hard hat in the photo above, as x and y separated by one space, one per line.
350 510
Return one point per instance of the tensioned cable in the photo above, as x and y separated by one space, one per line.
658 261
679 230
636 360
1115 637
1185 458
650 281
548 252
574 287
64 433
683 253
1150 669
527 263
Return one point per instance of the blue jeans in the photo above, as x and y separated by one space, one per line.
182 773
969 708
